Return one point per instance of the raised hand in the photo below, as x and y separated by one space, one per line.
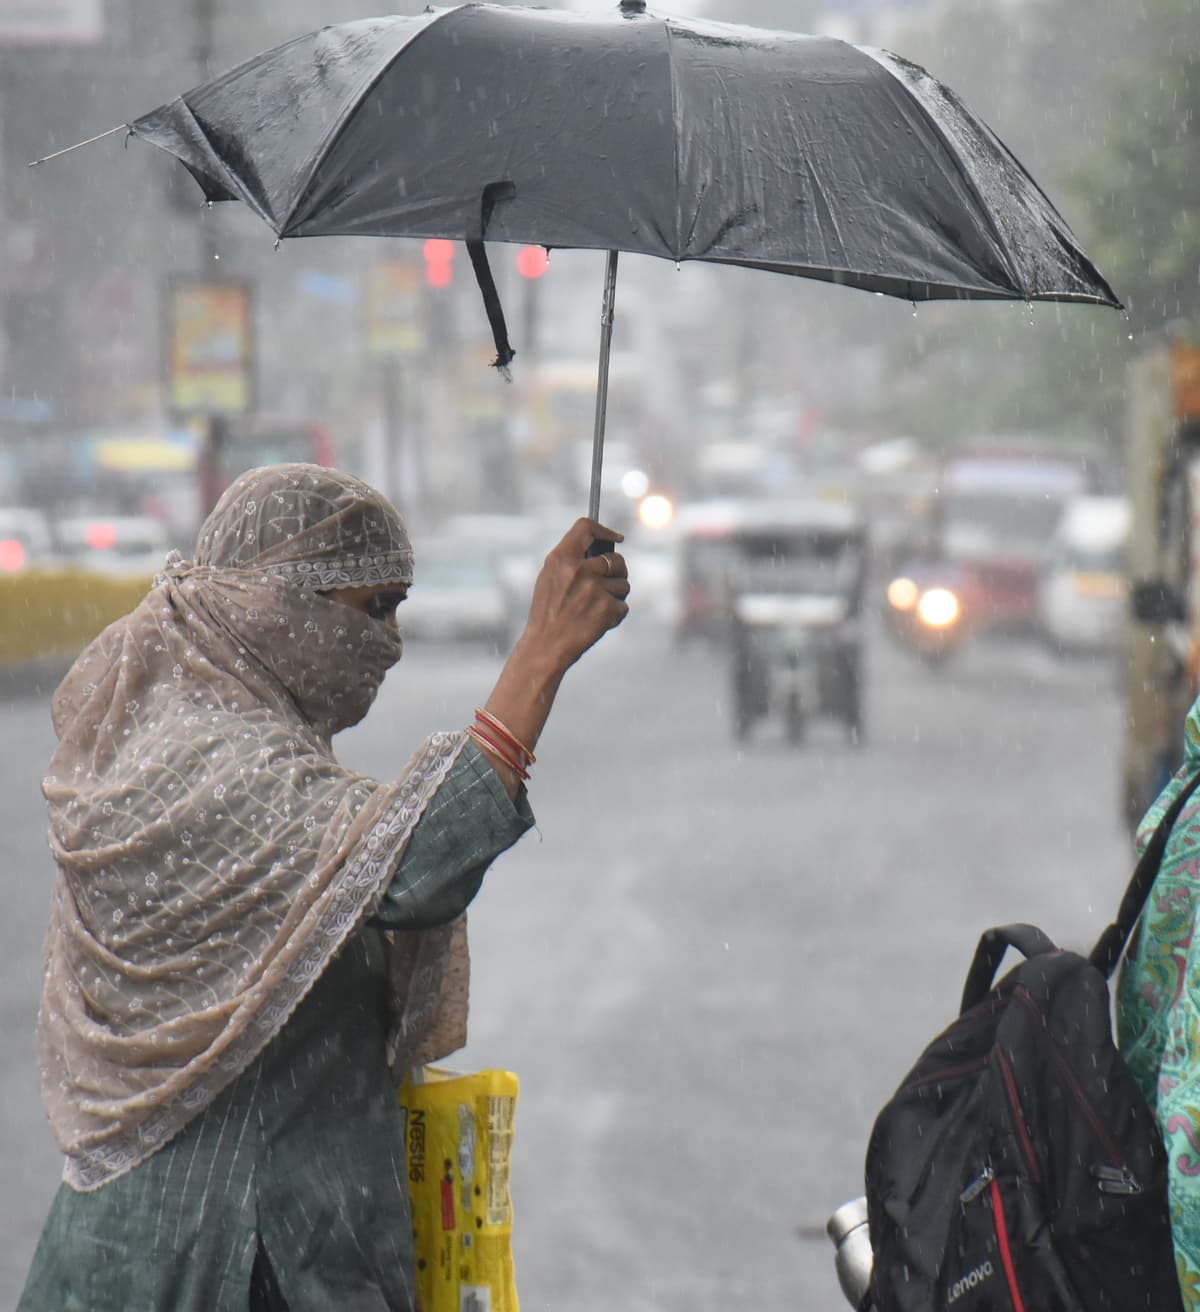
576 600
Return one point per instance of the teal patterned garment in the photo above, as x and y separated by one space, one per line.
305 1150
1158 1009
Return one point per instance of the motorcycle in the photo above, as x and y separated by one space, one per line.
928 611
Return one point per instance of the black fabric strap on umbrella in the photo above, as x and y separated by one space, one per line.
493 192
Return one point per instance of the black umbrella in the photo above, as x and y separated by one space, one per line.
680 138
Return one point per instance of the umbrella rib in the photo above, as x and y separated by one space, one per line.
230 181
333 135
676 127
66 150
985 210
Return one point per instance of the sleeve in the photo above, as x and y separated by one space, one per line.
1179 1120
467 824
1158 1015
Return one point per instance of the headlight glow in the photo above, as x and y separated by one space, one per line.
902 593
939 608
656 511
635 483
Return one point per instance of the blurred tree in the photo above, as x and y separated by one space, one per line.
1100 102
1140 187
1039 72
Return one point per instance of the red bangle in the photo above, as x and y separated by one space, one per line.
485 740
498 726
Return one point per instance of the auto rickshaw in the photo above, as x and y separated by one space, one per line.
797 574
701 532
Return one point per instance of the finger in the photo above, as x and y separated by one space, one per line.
602 534
611 565
582 534
577 539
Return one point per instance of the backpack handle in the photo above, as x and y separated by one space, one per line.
1110 946
1027 939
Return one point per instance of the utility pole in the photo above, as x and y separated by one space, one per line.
216 425
204 17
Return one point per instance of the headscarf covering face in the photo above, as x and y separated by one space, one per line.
212 855
308 535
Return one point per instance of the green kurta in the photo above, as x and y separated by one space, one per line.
305 1148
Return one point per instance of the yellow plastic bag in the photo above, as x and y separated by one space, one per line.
458 1140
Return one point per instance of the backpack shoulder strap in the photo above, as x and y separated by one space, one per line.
1111 944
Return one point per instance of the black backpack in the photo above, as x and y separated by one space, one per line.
1017 1166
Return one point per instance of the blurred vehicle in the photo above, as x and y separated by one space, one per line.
517 545
928 610
1161 643
261 440
994 514
126 546
25 539
743 469
703 559
148 472
653 560
796 589
974 557
1082 593
457 594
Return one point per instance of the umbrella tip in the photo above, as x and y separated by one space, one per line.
631 7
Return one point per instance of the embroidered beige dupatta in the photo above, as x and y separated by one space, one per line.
211 854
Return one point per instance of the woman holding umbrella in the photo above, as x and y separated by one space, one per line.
248 941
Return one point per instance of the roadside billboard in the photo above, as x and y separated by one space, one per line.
209 361
394 309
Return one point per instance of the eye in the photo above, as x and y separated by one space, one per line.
383 607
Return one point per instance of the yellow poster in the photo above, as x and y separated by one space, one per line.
395 305
209 336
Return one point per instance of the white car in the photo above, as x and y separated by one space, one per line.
653 560
1083 589
456 594
25 539
125 546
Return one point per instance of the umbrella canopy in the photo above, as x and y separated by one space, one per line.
679 138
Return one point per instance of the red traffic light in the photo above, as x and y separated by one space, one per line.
532 261
439 262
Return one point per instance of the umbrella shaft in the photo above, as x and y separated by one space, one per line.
606 326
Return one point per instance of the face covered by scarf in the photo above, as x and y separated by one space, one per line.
264 558
212 855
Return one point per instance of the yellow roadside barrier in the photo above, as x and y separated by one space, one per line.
46 614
